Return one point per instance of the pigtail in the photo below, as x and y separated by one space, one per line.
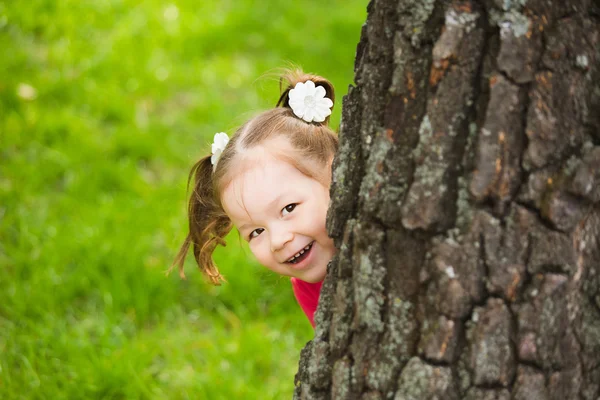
208 223
291 77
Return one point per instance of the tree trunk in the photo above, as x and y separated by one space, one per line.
465 207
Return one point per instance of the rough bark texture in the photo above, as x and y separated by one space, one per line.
465 207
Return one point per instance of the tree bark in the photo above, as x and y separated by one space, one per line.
465 206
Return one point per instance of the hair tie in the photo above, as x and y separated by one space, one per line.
219 142
309 102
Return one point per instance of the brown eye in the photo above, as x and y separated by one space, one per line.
288 209
255 233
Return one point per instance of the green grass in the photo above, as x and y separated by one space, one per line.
104 107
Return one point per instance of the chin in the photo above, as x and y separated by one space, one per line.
315 277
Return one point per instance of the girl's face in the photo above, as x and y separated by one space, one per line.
281 213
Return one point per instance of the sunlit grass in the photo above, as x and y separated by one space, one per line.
104 106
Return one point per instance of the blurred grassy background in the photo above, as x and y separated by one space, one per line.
104 107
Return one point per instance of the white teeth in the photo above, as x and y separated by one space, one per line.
299 253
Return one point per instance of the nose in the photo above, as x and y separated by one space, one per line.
280 236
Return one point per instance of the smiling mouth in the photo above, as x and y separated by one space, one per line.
301 255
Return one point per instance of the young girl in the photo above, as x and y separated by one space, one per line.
271 182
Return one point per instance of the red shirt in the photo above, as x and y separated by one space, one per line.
307 295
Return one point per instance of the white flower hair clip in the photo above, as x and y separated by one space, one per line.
309 102
219 142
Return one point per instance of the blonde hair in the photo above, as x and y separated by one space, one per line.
314 145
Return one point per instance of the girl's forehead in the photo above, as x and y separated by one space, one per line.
260 158
261 184
256 162
266 174
247 158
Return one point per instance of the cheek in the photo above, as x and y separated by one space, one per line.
255 249
322 215
260 252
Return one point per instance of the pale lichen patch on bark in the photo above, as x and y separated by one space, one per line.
487 394
368 278
421 381
492 354
413 17
340 385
